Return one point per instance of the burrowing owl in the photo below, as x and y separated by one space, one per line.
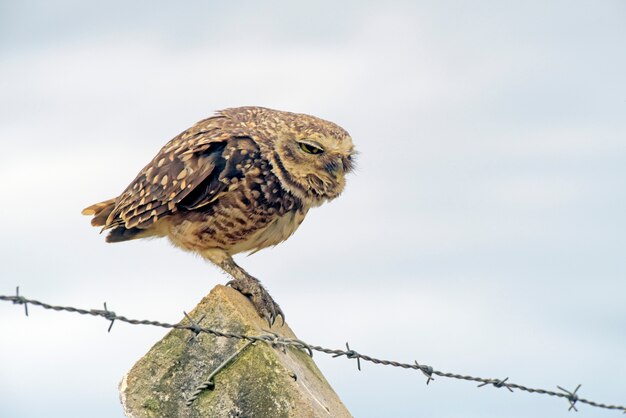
237 182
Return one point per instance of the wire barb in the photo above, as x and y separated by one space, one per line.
109 315
496 383
572 397
276 340
19 300
350 354
427 370
105 313
195 327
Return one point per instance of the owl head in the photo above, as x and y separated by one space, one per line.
310 156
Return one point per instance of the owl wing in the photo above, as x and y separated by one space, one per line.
189 172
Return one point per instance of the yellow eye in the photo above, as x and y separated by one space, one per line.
310 149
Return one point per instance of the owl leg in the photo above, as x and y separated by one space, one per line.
247 285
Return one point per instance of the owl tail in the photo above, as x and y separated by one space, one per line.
100 211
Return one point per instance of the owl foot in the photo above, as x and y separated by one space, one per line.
260 298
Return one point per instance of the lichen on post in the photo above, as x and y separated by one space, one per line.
259 381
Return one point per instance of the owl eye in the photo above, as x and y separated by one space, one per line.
310 148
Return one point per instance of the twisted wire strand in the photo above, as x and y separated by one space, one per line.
278 341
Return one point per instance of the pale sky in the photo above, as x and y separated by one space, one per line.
483 232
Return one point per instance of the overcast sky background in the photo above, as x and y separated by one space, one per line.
483 232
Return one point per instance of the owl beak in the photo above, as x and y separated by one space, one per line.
340 168
335 167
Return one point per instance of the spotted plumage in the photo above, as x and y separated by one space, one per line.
236 182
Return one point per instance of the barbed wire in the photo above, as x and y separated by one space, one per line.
276 340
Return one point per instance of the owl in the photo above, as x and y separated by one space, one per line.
237 182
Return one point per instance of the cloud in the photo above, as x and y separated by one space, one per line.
481 231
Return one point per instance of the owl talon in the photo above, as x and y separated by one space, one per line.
260 298
279 312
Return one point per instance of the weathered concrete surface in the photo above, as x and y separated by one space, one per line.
258 383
